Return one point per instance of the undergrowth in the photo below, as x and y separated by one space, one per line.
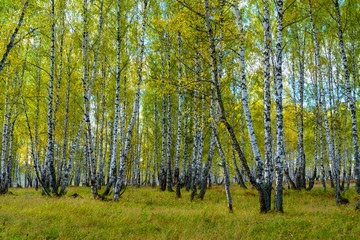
147 213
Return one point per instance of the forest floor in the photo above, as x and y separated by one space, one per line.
147 213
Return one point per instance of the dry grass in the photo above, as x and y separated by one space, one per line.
147 213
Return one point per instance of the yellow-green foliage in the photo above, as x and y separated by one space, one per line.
147 213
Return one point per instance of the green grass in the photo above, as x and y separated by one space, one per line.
147 213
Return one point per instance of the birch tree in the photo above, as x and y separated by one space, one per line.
351 99
278 198
120 186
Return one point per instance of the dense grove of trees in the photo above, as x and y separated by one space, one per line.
180 94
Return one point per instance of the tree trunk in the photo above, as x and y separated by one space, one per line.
35 160
184 174
162 178
13 36
178 137
49 161
66 119
194 164
169 133
278 198
206 171
214 76
113 148
351 100
120 186
153 183
267 103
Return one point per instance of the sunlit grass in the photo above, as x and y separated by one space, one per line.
147 213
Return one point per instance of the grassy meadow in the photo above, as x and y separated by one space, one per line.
147 213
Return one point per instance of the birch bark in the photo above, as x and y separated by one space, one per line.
322 96
12 42
49 161
267 103
278 198
169 130
153 183
351 100
113 148
162 174
214 76
120 186
178 136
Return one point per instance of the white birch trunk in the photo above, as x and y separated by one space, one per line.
120 186
322 94
13 36
195 132
215 81
267 103
351 100
112 173
169 131
66 119
153 183
35 160
264 197
184 175
49 161
164 135
178 136
278 198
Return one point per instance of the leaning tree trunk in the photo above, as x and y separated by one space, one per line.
214 76
264 197
34 157
206 171
8 181
113 147
322 97
12 42
223 163
87 95
120 186
226 179
351 100
4 145
240 179
75 146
